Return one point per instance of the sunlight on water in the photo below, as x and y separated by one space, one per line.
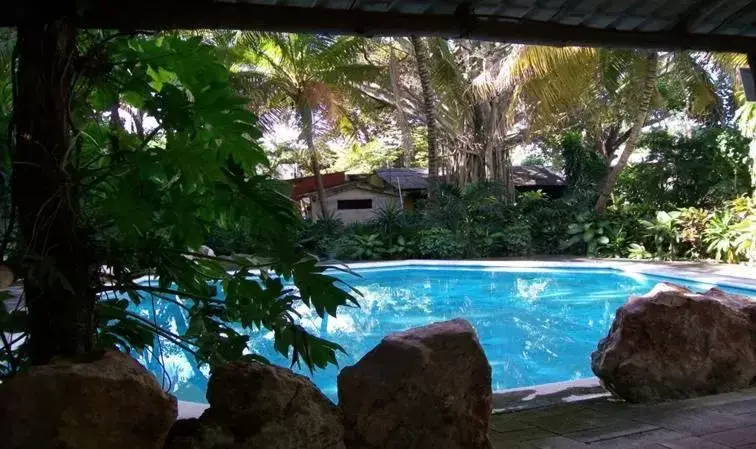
536 326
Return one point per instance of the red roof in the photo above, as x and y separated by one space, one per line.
307 184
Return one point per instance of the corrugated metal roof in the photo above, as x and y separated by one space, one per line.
406 178
522 176
533 175
720 25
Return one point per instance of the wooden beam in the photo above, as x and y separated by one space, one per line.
167 14
752 80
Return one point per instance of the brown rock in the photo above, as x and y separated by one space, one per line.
259 406
673 343
426 388
106 400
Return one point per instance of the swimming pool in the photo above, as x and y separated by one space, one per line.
536 325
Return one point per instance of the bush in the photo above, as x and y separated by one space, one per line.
439 243
516 239
318 236
703 170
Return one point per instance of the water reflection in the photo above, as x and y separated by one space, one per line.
535 326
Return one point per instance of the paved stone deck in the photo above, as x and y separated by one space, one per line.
712 422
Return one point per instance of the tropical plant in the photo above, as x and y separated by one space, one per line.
589 231
438 243
618 93
744 209
400 248
149 198
692 223
390 219
364 247
638 252
721 236
317 235
664 233
422 56
703 169
311 74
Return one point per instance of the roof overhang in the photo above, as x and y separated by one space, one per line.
715 25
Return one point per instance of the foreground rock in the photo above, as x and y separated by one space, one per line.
672 343
109 401
426 388
261 406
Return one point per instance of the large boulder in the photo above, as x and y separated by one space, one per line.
426 388
105 400
673 343
259 406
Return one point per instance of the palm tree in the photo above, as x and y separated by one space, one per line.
612 94
401 116
649 90
312 74
422 57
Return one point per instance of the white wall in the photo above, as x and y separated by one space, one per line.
354 215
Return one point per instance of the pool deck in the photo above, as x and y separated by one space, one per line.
711 422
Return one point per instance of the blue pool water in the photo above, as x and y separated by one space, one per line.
536 325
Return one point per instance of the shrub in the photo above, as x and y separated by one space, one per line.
663 230
516 239
317 236
691 224
702 170
721 236
439 243
360 247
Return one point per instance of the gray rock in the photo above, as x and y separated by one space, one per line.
107 400
673 343
259 406
426 388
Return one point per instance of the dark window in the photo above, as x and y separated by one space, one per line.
354 204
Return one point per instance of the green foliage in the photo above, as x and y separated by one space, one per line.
692 224
359 158
721 236
703 170
152 194
547 221
316 236
515 239
664 232
583 166
439 243
362 247
590 232
400 248
638 252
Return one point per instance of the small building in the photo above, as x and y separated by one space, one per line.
351 198
356 198
413 182
529 178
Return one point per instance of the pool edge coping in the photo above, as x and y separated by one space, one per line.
503 401
622 266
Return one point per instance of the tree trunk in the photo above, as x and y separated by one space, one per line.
401 117
305 115
429 103
59 278
649 87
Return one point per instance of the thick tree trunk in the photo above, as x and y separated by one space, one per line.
429 103
58 277
401 117
649 87
305 115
